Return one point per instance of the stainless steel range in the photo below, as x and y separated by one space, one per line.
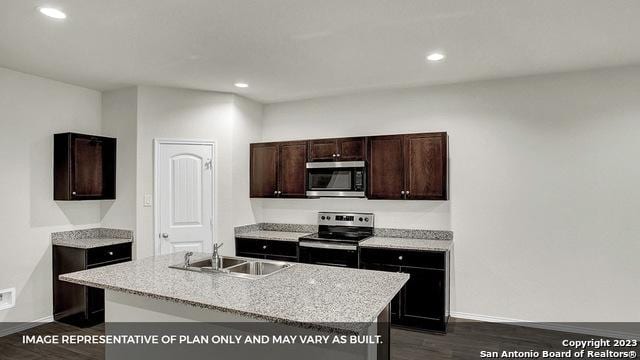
337 239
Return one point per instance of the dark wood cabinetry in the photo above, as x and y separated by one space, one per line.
77 304
278 169
423 303
84 167
411 166
340 149
267 249
399 167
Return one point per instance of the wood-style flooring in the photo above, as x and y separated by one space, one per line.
464 340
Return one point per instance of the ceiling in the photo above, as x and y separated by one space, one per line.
294 49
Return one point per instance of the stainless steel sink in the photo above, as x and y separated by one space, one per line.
224 262
258 268
237 266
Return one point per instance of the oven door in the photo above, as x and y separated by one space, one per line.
329 253
336 179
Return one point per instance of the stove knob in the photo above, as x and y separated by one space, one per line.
328 217
366 219
360 219
322 217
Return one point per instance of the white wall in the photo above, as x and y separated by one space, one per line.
32 109
544 195
230 121
119 120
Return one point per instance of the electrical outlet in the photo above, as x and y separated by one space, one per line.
7 298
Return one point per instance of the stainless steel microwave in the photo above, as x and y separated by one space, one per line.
336 179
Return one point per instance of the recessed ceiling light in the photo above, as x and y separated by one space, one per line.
52 13
436 56
241 85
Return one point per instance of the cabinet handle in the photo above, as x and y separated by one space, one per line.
110 253
400 257
334 155
338 155
407 192
402 192
275 192
264 247
73 193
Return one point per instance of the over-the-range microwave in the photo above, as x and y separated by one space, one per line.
336 179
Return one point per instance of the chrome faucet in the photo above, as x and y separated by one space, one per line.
215 257
187 259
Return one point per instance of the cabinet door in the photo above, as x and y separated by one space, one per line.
423 296
323 150
292 179
87 167
351 149
425 157
395 303
386 167
263 170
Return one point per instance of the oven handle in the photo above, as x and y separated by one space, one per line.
324 245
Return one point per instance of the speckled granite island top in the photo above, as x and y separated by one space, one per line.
300 294
272 235
407 244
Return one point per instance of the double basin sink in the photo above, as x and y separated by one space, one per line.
237 266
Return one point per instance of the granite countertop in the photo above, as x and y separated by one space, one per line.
407 244
273 235
89 243
91 238
301 295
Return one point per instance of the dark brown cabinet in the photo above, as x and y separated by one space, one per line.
264 170
278 169
267 249
411 166
76 304
84 167
341 149
423 303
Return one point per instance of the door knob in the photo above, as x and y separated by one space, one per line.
165 235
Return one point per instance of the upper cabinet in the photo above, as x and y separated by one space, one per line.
278 169
411 166
84 167
399 167
341 149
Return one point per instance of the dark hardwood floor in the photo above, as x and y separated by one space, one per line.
464 340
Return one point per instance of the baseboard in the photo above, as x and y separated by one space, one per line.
25 326
546 326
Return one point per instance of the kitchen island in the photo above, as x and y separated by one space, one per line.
318 298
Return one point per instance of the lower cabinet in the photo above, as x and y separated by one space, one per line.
423 303
76 304
267 249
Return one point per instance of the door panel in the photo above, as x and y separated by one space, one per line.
185 197
423 296
263 170
426 166
292 159
386 173
323 150
351 149
87 174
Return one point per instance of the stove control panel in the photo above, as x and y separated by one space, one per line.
345 219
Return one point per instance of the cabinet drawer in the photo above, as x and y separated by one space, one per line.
109 254
421 259
267 247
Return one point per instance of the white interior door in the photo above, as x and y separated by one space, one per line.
184 197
